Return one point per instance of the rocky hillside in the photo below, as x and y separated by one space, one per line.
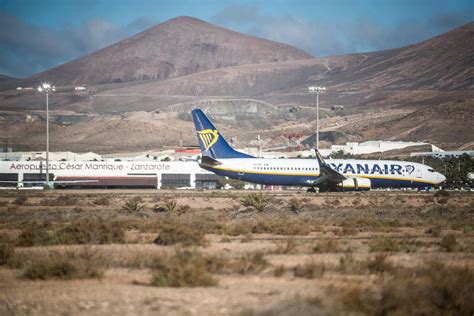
4 78
177 47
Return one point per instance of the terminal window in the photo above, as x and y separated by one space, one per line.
208 181
175 180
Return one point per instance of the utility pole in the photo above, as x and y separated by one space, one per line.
317 90
46 88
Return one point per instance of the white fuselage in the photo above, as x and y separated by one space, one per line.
303 172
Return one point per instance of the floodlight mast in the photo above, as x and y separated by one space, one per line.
317 90
46 88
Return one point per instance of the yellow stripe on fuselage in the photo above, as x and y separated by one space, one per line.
267 172
278 173
388 178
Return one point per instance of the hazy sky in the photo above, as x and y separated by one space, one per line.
38 34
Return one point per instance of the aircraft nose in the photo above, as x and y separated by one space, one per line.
441 178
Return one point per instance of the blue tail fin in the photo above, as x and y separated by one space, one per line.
212 143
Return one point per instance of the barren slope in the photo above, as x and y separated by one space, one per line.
177 47
4 78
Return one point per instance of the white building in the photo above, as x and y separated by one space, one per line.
443 154
112 174
375 146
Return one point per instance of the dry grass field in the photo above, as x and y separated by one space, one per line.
236 253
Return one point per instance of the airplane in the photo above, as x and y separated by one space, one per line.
332 175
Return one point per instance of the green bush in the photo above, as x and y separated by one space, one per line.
171 206
258 201
132 206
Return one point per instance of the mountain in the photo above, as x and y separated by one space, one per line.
4 78
177 47
249 86
443 63
437 70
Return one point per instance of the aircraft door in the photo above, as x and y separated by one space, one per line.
418 172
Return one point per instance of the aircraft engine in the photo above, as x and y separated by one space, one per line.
355 184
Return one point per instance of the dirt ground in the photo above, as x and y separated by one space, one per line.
300 253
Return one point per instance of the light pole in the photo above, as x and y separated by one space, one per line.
46 88
317 90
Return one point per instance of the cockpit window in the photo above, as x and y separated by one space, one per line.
431 170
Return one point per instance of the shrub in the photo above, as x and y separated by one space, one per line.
68 265
347 264
384 244
288 247
442 193
247 238
251 263
37 234
442 200
309 270
258 201
170 206
132 206
92 231
435 231
279 271
102 201
449 243
6 253
279 227
173 233
88 231
438 289
184 269
379 264
62 200
327 246
295 205
20 200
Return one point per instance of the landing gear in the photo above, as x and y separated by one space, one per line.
311 190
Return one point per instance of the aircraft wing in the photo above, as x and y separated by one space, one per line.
326 173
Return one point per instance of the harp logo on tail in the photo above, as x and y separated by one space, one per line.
208 137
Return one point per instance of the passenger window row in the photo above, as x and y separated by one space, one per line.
285 168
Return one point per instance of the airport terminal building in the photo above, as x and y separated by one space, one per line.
111 174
